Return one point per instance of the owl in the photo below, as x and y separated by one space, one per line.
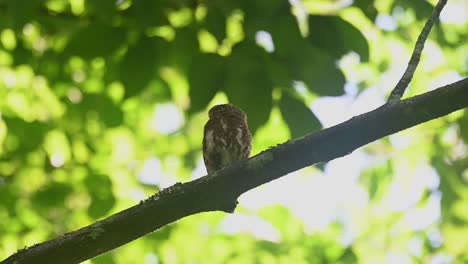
226 137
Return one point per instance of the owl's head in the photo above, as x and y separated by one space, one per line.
225 110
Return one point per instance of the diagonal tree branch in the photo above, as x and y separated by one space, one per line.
404 81
219 192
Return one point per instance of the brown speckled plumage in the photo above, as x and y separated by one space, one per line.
226 137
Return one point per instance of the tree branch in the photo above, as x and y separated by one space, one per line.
402 84
219 192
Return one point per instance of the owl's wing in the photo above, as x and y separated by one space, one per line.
211 155
247 138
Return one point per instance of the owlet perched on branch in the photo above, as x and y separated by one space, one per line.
226 138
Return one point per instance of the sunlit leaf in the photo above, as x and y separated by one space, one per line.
95 40
7 196
57 146
104 259
158 91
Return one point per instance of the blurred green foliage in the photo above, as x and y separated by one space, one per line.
102 103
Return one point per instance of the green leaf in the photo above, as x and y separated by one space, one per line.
315 66
463 123
348 256
8 197
337 36
106 258
95 40
318 70
279 73
248 83
52 195
283 220
50 66
261 13
422 9
286 35
377 179
22 55
206 77
158 91
263 8
109 113
367 7
100 188
298 116
448 187
184 48
103 8
19 132
215 22
138 66
148 13
21 11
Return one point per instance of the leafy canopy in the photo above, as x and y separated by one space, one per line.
102 103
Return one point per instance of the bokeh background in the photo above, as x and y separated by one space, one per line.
102 104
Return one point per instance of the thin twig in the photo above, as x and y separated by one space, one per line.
402 84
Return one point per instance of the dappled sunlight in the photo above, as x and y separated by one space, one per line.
442 79
263 39
200 170
313 197
334 110
240 223
425 216
152 173
455 12
57 160
386 22
167 118
408 186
